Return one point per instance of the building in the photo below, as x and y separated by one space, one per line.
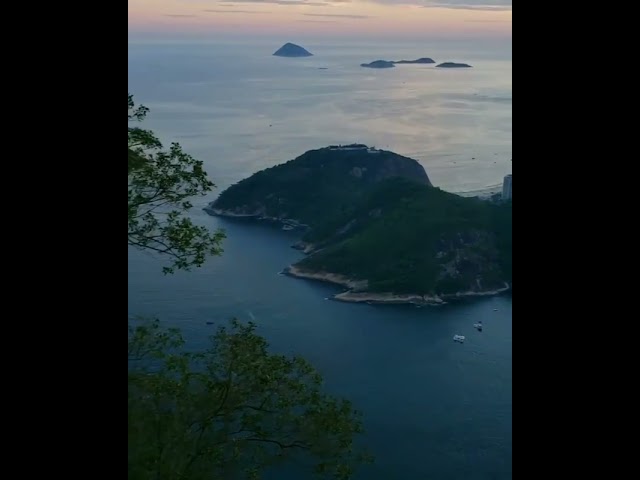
353 147
506 188
348 148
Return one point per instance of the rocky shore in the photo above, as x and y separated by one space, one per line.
357 290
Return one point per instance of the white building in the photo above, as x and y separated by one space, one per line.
506 188
354 147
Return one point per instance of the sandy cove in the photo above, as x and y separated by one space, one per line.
226 213
334 278
357 288
388 298
357 293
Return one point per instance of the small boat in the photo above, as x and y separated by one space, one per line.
287 227
478 326
458 338
209 323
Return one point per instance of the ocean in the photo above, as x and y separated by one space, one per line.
239 109
432 408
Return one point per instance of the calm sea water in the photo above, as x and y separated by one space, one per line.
433 409
240 109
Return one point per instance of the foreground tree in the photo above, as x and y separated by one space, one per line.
230 412
161 184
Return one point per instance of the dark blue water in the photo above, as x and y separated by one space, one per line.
433 409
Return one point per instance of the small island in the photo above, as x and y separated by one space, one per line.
378 64
390 63
453 65
418 61
371 221
292 50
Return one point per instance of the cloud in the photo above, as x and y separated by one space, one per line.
473 3
178 15
222 10
488 21
485 5
335 15
311 3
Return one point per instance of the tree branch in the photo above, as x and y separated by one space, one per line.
295 444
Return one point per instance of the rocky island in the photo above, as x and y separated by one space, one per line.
373 223
453 65
378 64
390 64
292 50
418 61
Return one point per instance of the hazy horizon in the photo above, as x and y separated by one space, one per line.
419 19
240 109
469 48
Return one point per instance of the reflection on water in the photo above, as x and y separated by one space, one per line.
432 408
241 110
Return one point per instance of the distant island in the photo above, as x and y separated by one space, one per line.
419 60
292 50
378 64
390 63
453 65
373 223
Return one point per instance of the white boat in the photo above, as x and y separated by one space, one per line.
478 325
458 338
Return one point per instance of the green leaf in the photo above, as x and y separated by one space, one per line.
161 186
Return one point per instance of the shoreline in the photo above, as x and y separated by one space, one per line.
326 277
291 222
482 193
357 291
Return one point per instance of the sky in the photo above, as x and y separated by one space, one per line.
324 18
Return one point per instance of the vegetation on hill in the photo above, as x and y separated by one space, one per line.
315 186
387 226
409 238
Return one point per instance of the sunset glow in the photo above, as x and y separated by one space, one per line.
446 18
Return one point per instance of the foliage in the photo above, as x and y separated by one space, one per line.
161 182
399 234
233 410
315 186
409 238
502 220
230 412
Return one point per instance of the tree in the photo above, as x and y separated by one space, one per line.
230 412
233 410
161 182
